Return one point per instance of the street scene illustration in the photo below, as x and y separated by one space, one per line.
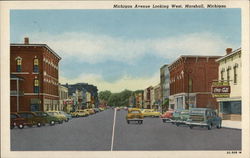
125 80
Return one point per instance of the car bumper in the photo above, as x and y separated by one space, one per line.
167 120
196 123
135 119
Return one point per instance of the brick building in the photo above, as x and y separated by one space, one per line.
148 97
190 82
34 77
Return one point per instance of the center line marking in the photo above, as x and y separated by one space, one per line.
113 132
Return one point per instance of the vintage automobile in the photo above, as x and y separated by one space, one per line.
80 113
167 116
32 118
183 117
151 113
48 119
134 114
17 120
58 115
204 117
68 116
91 111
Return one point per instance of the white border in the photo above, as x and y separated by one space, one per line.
5 81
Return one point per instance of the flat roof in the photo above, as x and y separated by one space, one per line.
192 56
36 45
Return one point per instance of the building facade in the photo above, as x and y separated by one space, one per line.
37 66
190 82
230 71
157 97
148 98
138 96
164 83
63 98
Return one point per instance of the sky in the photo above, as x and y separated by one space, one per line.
124 49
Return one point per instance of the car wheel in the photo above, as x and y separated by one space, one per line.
38 124
52 123
164 121
20 126
177 124
191 127
128 122
209 126
219 125
77 116
67 120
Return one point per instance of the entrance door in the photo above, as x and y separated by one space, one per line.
34 107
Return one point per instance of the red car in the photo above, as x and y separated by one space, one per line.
17 120
167 116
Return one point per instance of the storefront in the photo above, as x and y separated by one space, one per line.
230 109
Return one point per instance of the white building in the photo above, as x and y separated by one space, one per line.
230 70
63 96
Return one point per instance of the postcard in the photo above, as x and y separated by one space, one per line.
125 79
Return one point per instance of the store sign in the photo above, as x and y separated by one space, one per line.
221 89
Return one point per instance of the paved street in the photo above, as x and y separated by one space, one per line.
95 133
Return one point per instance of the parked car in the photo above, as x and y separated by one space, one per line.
68 116
96 110
151 113
80 113
90 111
17 121
134 114
58 115
48 119
167 116
204 117
176 116
32 118
183 117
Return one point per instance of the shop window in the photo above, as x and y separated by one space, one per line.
35 65
36 86
19 64
233 107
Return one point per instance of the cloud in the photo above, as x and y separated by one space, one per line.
96 48
125 82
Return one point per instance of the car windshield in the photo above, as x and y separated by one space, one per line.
135 112
197 112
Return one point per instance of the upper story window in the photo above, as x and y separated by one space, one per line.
18 64
190 85
235 73
228 74
36 85
36 65
222 74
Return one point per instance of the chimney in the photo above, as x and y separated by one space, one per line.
229 50
26 40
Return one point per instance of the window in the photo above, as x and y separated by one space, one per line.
235 74
190 85
36 85
19 64
228 74
35 65
222 74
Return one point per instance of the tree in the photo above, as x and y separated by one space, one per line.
104 95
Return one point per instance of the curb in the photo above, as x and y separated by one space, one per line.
231 128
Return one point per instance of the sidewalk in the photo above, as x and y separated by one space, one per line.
231 124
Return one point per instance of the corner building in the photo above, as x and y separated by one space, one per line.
190 82
37 66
